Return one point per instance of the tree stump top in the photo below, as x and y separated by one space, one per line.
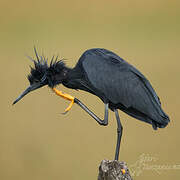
113 170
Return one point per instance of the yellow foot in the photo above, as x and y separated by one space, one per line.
65 96
123 171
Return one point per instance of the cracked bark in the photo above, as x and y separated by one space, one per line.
113 170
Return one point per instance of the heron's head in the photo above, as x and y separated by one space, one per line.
43 74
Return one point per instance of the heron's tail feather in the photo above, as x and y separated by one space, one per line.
162 123
157 120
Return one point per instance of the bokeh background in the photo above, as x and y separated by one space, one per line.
36 141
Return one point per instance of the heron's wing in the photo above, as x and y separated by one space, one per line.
120 82
146 83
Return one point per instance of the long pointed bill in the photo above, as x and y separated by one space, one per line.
28 90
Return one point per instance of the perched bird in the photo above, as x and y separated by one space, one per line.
102 73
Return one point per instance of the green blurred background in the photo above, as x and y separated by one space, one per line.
36 141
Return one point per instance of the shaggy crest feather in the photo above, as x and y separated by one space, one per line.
44 72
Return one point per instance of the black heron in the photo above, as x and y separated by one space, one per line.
102 73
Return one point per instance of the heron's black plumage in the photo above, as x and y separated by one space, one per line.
52 74
106 75
121 84
102 73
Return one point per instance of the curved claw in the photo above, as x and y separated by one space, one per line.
68 108
65 112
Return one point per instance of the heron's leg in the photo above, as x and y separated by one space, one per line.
119 134
101 122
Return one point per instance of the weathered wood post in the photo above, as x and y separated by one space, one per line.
113 170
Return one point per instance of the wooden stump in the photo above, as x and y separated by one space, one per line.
113 170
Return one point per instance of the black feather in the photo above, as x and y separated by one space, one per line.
108 76
123 85
52 74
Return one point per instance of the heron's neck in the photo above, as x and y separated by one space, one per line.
72 75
